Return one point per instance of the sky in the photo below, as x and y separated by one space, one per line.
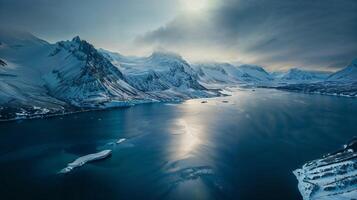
277 34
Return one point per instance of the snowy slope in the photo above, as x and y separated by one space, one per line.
255 73
218 73
21 88
348 74
162 75
341 83
332 177
296 75
228 74
83 77
42 78
70 72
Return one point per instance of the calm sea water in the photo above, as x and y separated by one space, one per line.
244 149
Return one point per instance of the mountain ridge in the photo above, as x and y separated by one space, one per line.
39 78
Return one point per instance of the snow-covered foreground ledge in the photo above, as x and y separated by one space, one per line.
85 159
333 177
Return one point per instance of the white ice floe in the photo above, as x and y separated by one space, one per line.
117 142
85 159
121 140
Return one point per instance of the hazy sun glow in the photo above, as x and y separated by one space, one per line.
194 5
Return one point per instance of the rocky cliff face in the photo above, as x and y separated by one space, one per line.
88 78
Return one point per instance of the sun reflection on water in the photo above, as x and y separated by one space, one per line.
188 141
189 131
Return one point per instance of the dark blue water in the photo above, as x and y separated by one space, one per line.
244 149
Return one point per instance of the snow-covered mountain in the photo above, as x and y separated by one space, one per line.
70 71
42 78
82 76
348 74
21 85
341 83
162 75
228 74
255 73
225 73
218 73
296 75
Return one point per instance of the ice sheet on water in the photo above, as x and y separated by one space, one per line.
121 140
85 159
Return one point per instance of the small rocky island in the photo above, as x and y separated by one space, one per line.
332 177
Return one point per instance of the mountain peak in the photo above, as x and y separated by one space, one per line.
76 39
348 74
165 54
295 69
253 67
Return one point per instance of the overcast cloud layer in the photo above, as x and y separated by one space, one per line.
275 33
314 34
110 24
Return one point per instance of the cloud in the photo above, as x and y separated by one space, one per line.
105 22
275 33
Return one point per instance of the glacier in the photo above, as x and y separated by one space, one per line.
332 177
121 140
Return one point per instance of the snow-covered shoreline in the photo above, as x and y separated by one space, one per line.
332 177
83 110
313 93
331 89
65 113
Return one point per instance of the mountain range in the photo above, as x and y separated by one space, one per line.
39 78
